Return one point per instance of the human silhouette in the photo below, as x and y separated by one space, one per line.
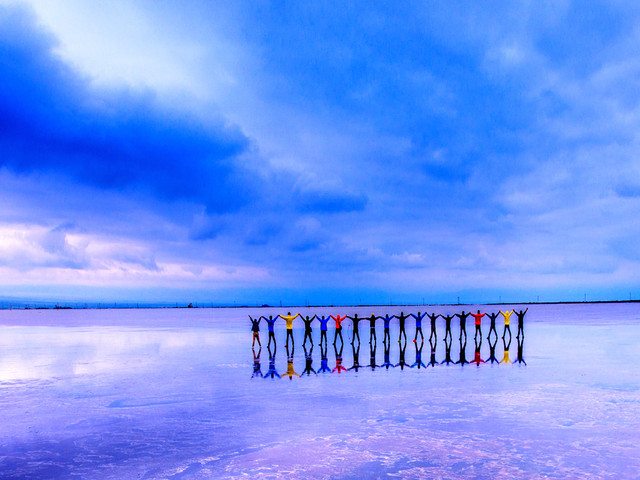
307 328
463 353
418 318
463 324
387 321
387 362
372 328
434 333
418 363
447 326
271 322
338 331
520 315
324 360
356 357
432 361
257 370
255 328
507 320
356 330
447 351
403 347
401 321
323 328
272 373
339 368
372 356
290 373
476 357
520 358
289 319
308 359
492 327
492 349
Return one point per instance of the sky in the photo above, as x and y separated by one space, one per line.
321 152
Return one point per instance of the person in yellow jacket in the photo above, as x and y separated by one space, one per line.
289 319
507 317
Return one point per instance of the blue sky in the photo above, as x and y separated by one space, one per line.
321 152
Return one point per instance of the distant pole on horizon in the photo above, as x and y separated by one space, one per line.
500 299
458 300
585 297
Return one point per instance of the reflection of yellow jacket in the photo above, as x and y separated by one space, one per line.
289 320
506 357
290 373
506 315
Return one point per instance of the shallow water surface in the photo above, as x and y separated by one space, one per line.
180 394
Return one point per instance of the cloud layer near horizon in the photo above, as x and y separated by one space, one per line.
314 150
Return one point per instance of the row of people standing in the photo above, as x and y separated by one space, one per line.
387 363
372 319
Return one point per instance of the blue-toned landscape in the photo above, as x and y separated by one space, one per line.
173 394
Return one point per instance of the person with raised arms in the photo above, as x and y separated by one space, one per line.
520 315
433 362
356 331
372 328
507 320
478 317
387 320
447 326
271 322
356 357
338 331
520 358
463 324
289 319
323 328
255 328
434 333
418 318
401 319
307 328
492 326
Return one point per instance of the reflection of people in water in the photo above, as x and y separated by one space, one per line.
372 356
447 326
372 329
272 373
387 362
476 357
401 320
433 318
447 351
520 315
290 373
507 317
418 318
257 370
478 317
506 349
270 322
492 327
307 328
255 328
289 319
403 347
339 368
338 331
463 324
324 360
308 358
387 320
418 363
356 357
520 358
492 349
433 361
323 329
356 331
463 353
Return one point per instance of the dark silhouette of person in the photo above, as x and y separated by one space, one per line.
432 361
338 331
289 319
476 357
257 370
255 328
307 328
290 372
492 349
401 320
492 327
447 326
463 352
478 317
418 363
323 328
356 357
463 324
308 359
520 315
339 368
387 321
506 346
372 356
434 333
324 360
271 322
520 358
447 351
356 331
418 318
272 372
387 361
403 347
372 328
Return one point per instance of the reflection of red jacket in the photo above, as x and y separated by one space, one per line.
339 368
477 316
476 359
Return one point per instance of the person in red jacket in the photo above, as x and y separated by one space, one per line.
339 321
478 316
